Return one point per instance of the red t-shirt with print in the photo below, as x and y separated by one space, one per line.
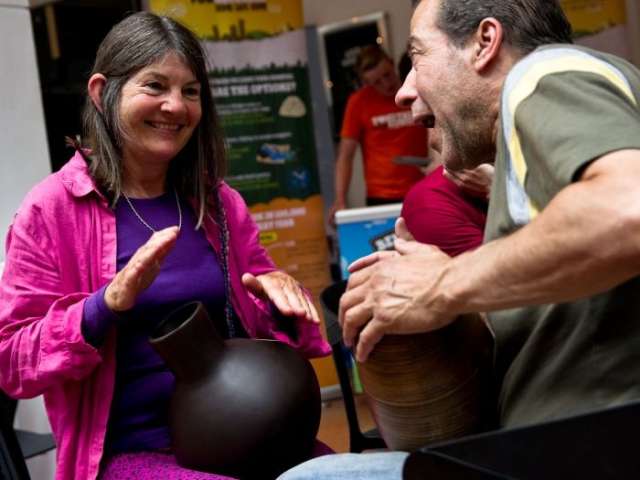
384 132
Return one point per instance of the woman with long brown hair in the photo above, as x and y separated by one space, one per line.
138 222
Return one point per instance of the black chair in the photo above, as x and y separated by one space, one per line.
18 445
358 440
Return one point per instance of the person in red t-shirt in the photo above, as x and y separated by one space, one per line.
439 212
448 209
373 121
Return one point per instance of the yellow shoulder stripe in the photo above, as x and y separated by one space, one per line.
528 84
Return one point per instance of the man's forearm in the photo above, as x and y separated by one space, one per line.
587 240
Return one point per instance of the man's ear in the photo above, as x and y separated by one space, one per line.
488 41
95 86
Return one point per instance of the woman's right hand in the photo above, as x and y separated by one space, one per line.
141 270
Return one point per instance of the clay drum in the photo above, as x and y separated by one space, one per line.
431 387
244 408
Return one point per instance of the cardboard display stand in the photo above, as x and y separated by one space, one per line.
362 231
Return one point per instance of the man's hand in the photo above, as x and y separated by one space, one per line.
394 293
141 270
284 292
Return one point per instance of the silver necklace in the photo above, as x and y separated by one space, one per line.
135 212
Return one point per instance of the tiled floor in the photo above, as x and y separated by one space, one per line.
334 430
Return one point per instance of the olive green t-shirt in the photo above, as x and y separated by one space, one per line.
562 107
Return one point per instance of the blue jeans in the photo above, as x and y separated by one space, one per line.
350 466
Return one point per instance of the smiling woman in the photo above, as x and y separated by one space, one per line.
137 223
159 109
149 79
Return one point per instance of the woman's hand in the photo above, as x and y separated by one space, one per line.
141 270
476 181
284 292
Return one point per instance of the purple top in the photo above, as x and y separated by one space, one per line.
191 271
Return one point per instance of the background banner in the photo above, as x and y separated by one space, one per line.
592 16
258 75
233 19
600 24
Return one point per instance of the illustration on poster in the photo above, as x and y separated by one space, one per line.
292 107
274 154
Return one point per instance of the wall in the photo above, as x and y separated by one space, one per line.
330 11
24 161
25 154
633 29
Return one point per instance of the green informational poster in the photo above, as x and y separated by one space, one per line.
264 109
261 89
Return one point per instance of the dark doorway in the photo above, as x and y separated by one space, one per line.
67 34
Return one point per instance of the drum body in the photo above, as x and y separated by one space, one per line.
433 386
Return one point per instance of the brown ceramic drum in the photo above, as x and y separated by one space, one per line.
245 408
430 387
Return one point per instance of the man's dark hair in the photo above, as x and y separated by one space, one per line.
527 24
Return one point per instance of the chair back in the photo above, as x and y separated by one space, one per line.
330 302
8 407
12 464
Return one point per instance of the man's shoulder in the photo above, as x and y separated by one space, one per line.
566 70
360 96
362 92
556 59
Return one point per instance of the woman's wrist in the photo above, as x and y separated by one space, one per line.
97 318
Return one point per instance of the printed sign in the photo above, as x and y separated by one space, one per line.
592 16
232 20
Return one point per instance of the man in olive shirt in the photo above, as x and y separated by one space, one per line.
559 272
567 113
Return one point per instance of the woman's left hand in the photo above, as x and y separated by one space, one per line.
476 181
284 292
